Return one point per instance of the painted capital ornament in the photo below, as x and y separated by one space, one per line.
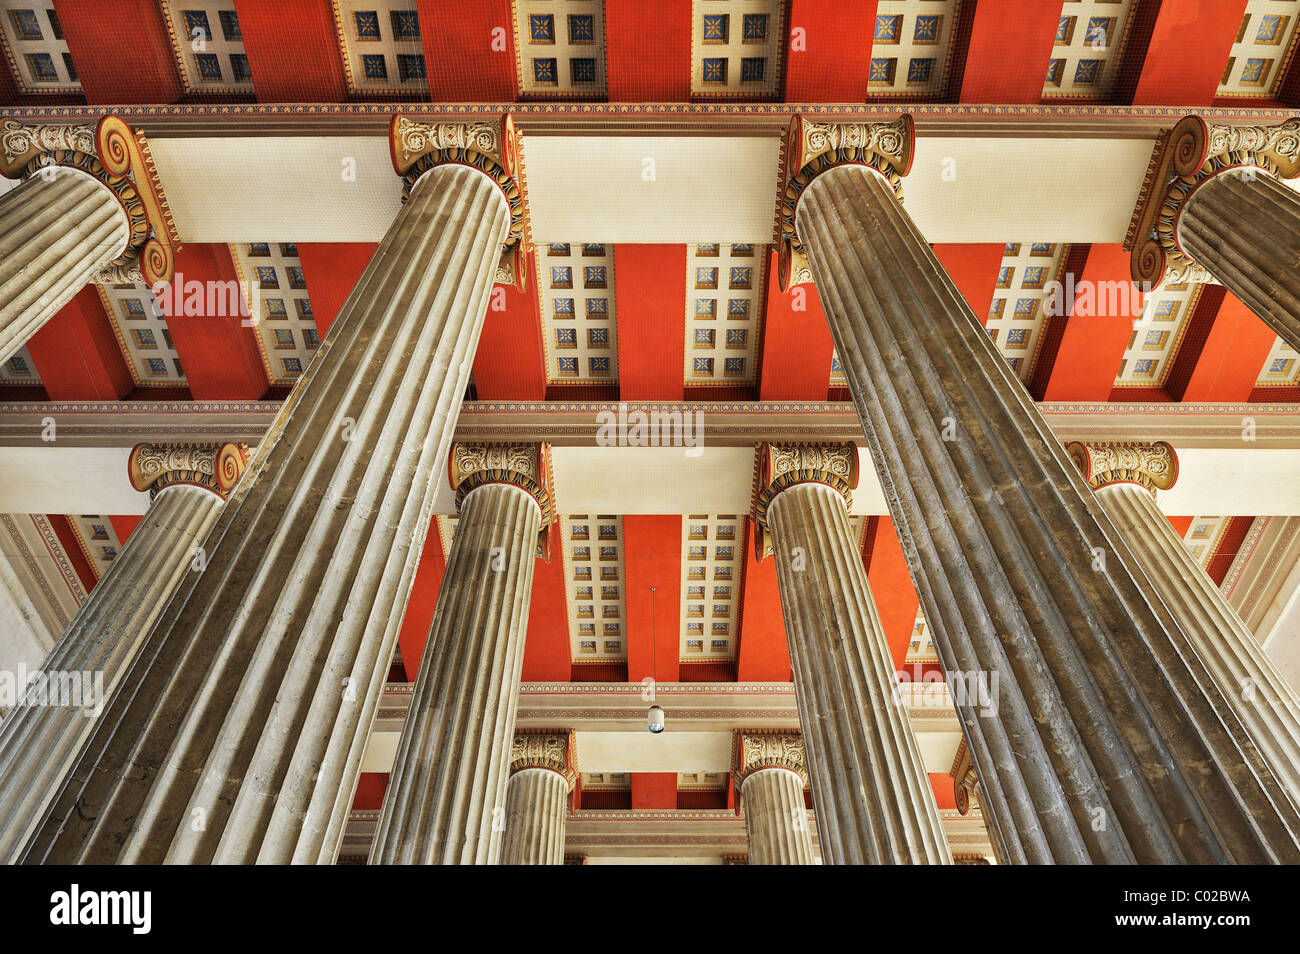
1151 465
756 749
553 749
965 783
526 466
1189 155
491 147
779 466
119 157
214 467
813 147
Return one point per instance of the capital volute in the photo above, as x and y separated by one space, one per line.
491 147
778 467
813 147
214 467
1191 153
1152 465
755 749
119 157
965 782
553 749
526 466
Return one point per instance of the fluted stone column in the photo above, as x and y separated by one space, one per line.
542 775
446 802
83 213
770 776
1125 478
241 739
1106 741
39 743
1220 208
870 788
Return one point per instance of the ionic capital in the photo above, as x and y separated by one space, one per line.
1152 465
553 749
780 466
491 147
755 749
965 783
811 148
526 466
214 467
1188 155
119 157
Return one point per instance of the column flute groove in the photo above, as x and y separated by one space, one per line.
768 768
1219 212
238 734
873 800
1108 742
543 771
88 209
1124 478
39 742
446 803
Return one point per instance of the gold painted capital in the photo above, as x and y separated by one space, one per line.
965 782
526 466
554 749
119 157
214 467
813 147
757 749
1188 155
1152 465
491 147
780 466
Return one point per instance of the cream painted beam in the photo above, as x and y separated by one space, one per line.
579 424
685 836
1245 480
686 174
611 732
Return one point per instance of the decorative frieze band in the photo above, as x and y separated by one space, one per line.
119 157
778 466
811 148
554 749
526 466
491 147
756 749
1192 152
1153 465
214 467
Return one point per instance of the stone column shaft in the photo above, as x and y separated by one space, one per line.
242 739
57 229
1261 698
537 804
39 744
1244 227
870 789
447 794
1103 711
776 818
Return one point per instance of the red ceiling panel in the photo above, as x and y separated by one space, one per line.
100 32
78 355
648 58
293 50
219 352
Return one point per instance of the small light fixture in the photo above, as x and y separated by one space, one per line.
654 718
